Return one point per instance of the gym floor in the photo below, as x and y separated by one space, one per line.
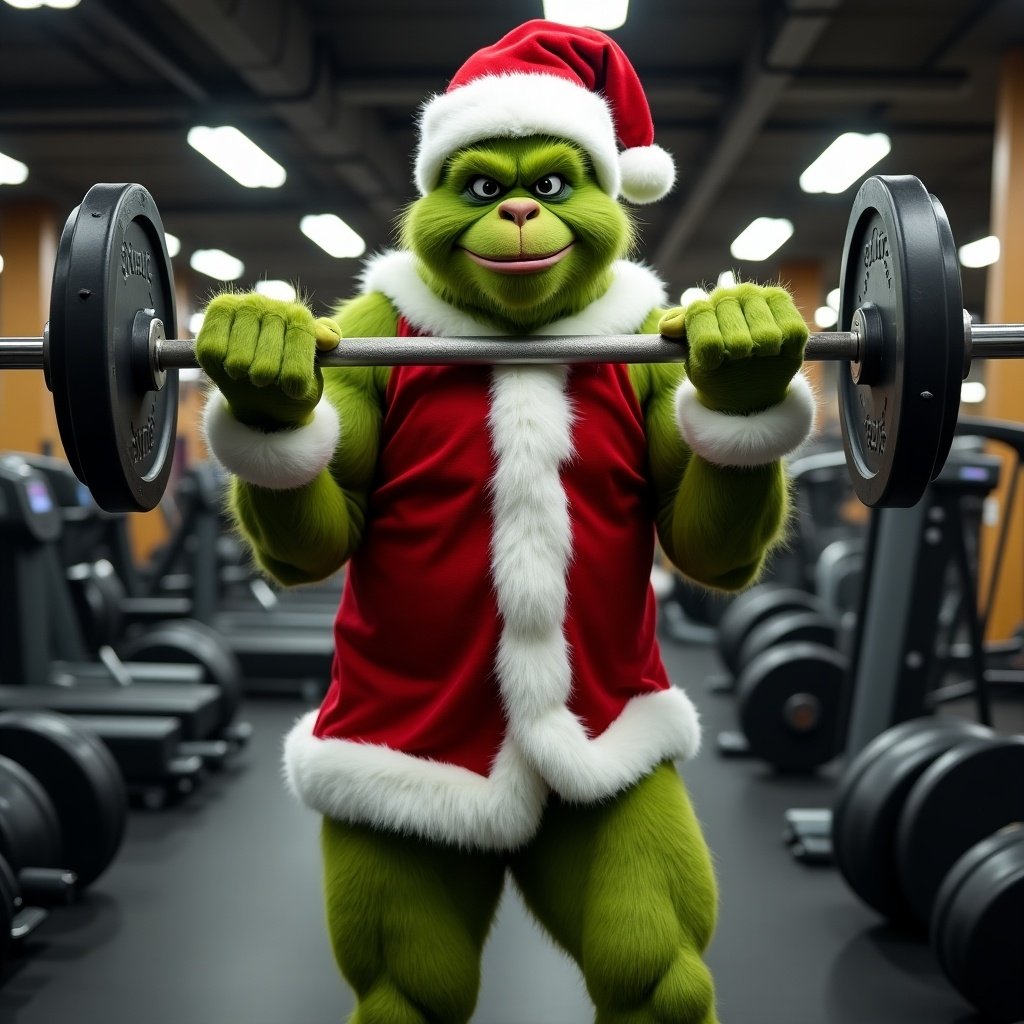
212 915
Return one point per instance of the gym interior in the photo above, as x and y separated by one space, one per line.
859 692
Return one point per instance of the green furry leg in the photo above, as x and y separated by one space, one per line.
626 887
407 920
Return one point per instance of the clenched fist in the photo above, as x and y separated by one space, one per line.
260 353
745 344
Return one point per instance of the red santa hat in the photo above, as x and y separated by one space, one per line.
548 79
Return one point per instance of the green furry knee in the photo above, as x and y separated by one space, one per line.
627 888
407 921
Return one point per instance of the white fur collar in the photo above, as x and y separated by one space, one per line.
635 290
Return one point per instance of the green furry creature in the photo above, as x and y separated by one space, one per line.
498 703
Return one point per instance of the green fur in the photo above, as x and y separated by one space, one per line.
441 224
407 921
717 524
626 887
307 534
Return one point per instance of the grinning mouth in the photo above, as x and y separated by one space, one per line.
519 264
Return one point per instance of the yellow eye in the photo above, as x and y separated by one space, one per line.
549 186
484 188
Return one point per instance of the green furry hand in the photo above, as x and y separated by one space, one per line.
260 354
745 344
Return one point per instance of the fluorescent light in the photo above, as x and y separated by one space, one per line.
759 239
826 317
972 392
217 264
1 264
12 172
237 155
692 295
833 298
173 243
332 234
195 324
276 290
982 253
726 279
32 5
843 162
603 14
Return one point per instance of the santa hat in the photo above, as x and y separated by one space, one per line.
548 79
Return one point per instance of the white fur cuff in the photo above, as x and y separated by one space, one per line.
280 460
753 440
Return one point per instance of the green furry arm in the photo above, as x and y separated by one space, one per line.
306 534
715 524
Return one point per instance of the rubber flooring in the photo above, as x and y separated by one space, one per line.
212 915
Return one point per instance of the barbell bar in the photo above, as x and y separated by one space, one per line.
985 341
907 340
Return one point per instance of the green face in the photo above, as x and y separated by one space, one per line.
518 231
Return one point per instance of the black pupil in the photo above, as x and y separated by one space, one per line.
488 187
545 186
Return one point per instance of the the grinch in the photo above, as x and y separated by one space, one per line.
498 703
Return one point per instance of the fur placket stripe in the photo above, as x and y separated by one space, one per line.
530 422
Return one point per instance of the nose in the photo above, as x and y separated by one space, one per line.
519 211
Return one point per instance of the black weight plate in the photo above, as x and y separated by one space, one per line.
894 259
82 780
967 794
804 672
30 829
112 264
955 347
8 898
751 608
59 387
977 928
787 627
871 796
187 641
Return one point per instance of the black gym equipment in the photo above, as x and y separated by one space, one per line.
976 926
788 702
926 830
62 817
37 626
749 610
904 331
812 626
82 781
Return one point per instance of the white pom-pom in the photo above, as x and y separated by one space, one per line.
648 173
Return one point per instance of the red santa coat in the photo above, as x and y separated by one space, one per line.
496 638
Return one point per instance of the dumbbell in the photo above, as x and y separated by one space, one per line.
72 793
62 817
745 614
789 701
918 834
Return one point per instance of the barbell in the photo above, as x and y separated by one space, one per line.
907 339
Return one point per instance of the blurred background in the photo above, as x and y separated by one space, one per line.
746 94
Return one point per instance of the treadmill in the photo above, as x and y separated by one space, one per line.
159 732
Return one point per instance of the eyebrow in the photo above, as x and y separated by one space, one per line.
479 161
549 159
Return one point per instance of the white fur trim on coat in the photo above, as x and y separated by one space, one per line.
635 290
279 460
376 785
516 105
653 727
753 440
